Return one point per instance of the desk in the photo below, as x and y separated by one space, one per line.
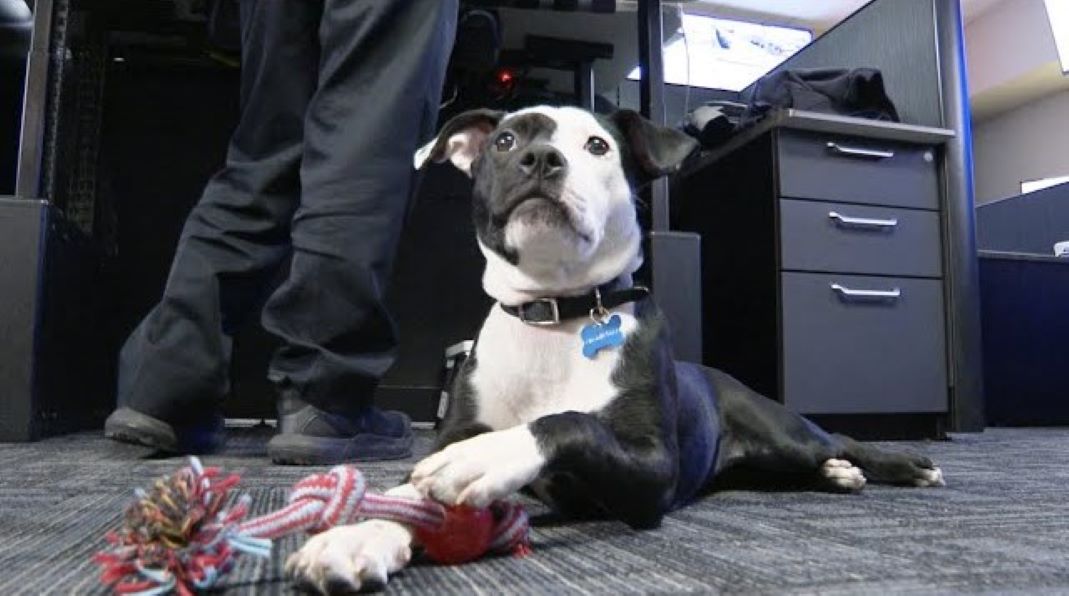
823 267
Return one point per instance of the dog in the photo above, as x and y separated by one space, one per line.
571 390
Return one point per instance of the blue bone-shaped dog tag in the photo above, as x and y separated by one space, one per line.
598 336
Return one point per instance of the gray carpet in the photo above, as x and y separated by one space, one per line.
999 526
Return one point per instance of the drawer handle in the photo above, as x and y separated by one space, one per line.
846 292
862 222
859 152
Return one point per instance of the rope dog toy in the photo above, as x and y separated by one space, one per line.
179 536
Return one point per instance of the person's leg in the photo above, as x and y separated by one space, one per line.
380 81
173 369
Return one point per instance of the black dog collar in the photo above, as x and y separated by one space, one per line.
551 311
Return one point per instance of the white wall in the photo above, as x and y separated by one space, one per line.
1026 143
1020 100
1007 42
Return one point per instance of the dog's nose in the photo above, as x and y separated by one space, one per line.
542 161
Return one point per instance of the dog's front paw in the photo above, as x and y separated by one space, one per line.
481 469
350 558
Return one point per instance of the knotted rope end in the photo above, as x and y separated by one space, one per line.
180 536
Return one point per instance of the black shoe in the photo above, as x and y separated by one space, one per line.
130 426
311 436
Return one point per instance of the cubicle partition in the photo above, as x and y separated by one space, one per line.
896 36
1031 223
1024 289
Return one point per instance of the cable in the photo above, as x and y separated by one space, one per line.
686 50
451 100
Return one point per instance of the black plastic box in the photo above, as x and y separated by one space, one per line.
53 372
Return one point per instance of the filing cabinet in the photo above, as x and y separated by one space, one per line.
823 268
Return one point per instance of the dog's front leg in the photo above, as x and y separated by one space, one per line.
354 557
482 469
632 478
626 473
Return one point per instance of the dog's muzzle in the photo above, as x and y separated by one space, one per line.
543 162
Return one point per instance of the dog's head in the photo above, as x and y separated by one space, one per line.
553 192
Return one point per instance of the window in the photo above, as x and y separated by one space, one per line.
726 54
1058 13
1034 185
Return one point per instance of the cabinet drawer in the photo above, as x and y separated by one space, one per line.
856 170
816 236
847 350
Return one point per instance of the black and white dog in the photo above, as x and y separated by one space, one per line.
571 389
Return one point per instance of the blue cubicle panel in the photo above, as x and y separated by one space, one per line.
1024 293
1029 223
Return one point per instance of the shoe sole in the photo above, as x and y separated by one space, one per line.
303 450
130 426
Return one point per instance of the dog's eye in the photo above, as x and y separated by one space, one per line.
596 146
505 141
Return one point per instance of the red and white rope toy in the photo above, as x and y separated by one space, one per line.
180 537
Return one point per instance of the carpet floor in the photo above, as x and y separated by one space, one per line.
1000 526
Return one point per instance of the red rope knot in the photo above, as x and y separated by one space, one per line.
322 501
510 529
335 497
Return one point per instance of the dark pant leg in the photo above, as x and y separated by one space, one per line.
380 81
175 364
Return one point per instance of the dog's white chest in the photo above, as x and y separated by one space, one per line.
524 372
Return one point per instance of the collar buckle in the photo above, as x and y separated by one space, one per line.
599 314
554 309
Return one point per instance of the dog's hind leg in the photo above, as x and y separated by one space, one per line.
890 467
761 434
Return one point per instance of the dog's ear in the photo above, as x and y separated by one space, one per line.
460 140
656 150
